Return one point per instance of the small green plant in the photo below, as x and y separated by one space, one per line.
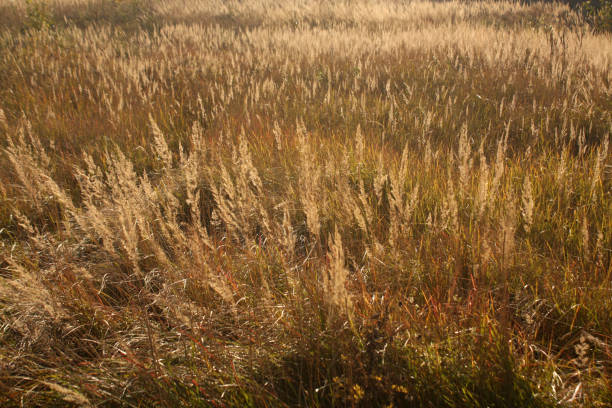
598 13
38 15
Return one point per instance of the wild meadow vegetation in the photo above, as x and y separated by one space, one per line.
305 203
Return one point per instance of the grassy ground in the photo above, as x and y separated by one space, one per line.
355 203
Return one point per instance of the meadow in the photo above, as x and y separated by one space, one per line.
305 203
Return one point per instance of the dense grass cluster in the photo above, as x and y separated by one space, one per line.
353 203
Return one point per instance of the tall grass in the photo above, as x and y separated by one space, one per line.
355 203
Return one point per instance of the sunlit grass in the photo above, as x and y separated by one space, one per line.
309 203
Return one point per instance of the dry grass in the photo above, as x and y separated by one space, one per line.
356 203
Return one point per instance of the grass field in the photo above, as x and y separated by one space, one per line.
304 203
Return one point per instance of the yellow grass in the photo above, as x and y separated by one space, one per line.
306 203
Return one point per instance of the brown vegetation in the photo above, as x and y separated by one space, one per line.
355 203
